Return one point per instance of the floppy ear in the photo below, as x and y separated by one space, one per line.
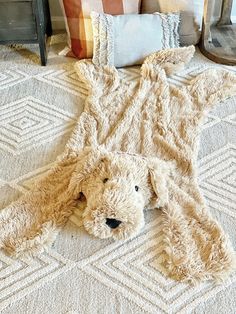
87 163
159 172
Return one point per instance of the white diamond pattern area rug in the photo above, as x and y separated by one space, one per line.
81 274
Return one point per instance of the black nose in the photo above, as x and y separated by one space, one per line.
113 223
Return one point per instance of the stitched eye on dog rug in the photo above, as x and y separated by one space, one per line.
134 147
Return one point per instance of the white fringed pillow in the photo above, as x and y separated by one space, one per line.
190 11
125 40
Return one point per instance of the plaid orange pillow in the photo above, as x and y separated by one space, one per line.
79 26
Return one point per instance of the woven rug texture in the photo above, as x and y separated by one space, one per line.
81 274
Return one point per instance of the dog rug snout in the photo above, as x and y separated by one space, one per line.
113 223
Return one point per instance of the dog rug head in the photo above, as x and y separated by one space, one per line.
117 188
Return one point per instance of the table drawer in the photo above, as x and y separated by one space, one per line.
17 21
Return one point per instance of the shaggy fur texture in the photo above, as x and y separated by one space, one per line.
132 135
118 186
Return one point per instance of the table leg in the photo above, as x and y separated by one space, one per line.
207 15
44 27
48 22
225 18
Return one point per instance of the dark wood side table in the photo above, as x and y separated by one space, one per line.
26 21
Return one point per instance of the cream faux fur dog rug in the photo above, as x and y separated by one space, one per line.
148 126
